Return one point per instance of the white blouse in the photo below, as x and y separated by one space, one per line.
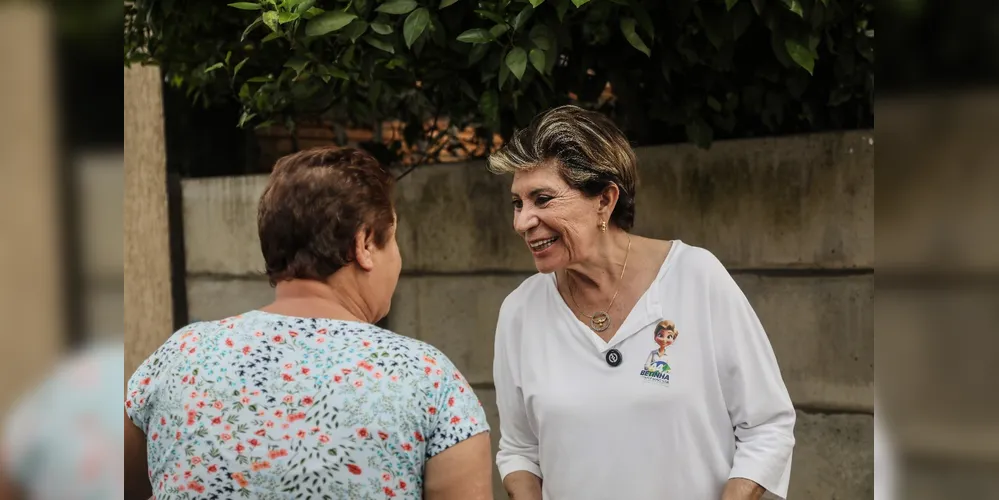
716 409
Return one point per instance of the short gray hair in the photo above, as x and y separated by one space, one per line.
588 149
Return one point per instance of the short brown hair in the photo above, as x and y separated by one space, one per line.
589 151
314 203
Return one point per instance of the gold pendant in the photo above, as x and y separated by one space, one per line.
600 321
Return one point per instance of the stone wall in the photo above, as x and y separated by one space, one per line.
792 218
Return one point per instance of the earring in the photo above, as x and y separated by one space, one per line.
603 226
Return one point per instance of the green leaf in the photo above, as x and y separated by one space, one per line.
516 60
247 116
628 28
561 7
467 90
251 27
795 6
446 3
742 17
313 12
381 28
504 74
800 54
271 20
397 7
700 133
536 3
287 17
300 6
498 30
213 67
485 14
489 107
245 6
272 36
339 73
644 21
580 3
328 22
297 63
541 37
355 29
537 57
729 4
477 53
477 35
378 43
714 104
416 23
521 18
239 66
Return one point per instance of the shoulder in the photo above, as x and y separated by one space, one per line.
697 264
419 352
527 293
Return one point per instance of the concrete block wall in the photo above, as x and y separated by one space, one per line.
792 218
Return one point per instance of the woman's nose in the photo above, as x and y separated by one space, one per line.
524 221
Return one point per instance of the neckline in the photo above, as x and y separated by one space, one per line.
287 317
650 299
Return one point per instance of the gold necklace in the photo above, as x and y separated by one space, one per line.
600 320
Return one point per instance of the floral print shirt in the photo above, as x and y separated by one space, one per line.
269 406
62 440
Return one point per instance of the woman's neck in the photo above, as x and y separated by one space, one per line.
602 273
314 299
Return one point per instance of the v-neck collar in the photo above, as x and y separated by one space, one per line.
645 312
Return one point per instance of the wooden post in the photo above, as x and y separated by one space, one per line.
31 300
148 307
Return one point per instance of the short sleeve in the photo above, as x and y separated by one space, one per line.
454 412
143 384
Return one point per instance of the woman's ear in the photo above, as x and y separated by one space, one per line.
363 246
608 199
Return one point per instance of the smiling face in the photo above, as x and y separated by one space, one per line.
666 334
559 224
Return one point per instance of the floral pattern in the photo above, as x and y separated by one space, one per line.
269 406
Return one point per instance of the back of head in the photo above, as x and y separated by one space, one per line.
314 204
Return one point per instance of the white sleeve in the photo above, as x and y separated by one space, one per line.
758 403
518 444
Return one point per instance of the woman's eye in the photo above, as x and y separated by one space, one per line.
543 200
517 204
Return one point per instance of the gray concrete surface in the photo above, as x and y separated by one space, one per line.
800 202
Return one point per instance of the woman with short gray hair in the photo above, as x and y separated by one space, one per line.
628 367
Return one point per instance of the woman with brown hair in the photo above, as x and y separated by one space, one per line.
306 398
589 406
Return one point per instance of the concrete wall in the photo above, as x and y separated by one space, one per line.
792 218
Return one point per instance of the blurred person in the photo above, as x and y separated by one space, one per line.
599 394
62 439
306 397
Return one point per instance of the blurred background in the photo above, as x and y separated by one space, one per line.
753 121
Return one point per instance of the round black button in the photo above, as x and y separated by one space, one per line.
613 357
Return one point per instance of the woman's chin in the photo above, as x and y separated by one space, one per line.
546 265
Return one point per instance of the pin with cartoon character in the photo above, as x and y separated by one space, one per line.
664 335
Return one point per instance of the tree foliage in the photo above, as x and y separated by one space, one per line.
678 69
